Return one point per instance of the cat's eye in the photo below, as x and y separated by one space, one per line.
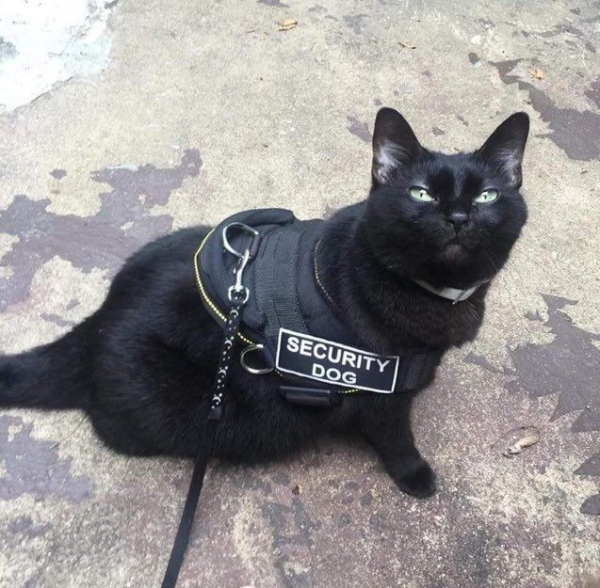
421 194
486 196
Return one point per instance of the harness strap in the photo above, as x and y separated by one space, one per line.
276 279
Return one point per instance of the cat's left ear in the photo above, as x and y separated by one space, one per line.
394 145
505 147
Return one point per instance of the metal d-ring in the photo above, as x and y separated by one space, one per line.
250 369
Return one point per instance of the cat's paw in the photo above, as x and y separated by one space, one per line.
418 480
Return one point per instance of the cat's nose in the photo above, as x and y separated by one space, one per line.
458 219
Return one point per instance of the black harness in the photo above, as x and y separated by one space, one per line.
290 324
258 276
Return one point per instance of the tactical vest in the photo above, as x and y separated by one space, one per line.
289 319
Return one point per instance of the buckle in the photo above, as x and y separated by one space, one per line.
323 397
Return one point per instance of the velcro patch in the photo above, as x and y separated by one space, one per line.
333 363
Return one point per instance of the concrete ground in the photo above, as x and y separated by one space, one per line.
123 120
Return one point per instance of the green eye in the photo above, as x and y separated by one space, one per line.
421 194
486 196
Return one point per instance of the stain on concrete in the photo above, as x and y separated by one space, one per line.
359 128
482 362
567 29
472 547
593 92
57 320
576 133
569 367
591 467
292 530
463 120
32 466
535 317
7 49
355 22
437 131
59 174
473 58
73 303
592 505
123 223
24 526
273 3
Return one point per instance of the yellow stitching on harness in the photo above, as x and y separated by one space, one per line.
203 293
317 275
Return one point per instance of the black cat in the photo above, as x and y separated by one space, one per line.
143 364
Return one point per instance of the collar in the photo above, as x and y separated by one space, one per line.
454 294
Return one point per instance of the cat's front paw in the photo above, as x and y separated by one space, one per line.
417 480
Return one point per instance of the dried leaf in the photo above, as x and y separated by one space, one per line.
297 489
528 436
537 73
286 24
407 44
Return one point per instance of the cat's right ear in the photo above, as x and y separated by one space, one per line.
394 145
504 149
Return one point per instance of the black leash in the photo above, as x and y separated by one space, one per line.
238 296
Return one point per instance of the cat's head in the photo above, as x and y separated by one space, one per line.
448 219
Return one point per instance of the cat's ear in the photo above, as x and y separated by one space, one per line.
394 145
505 147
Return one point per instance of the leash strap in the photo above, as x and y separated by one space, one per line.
238 296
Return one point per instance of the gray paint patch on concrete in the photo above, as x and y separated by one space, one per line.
569 366
32 466
99 241
57 320
59 174
482 362
7 49
590 467
567 29
593 92
359 128
576 133
274 3
355 22
23 525
591 505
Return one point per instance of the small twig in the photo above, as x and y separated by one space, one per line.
69 435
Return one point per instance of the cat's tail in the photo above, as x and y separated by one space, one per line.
50 376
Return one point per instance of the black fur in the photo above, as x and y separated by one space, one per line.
143 364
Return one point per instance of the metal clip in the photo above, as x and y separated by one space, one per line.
242 227
239 286
244 258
